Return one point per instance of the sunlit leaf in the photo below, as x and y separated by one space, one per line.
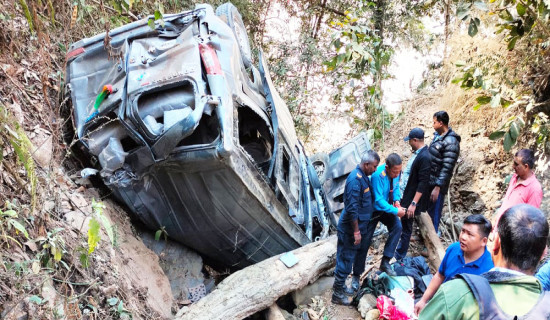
463 10
483 100
508 141
520 8
496 135
514 130
151 24
481 5
512 43
495 101
472 28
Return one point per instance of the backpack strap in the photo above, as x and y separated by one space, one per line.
486 301
541 310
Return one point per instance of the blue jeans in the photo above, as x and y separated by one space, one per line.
349 256
392 222
406 232
435 209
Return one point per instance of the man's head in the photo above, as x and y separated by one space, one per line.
524 161
521 238
369 162
474 234
393 165
441 121
415 138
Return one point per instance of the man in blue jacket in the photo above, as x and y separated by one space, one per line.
353 245
387 209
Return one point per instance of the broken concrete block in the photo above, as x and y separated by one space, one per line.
304 295
366 303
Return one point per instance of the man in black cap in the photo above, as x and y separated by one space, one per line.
416 179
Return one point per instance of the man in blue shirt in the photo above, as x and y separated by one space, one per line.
544 275
387 209
352 246
469 255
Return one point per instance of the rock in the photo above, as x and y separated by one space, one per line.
181 265
366 303
274 313
317 288
374 314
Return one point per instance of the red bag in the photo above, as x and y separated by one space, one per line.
388 311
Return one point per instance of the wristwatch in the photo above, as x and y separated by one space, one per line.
413 203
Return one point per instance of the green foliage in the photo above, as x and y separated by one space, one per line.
161 233
97 220
117 306
53 246
510 131
9 224
27 14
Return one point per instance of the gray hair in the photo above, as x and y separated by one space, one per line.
370 157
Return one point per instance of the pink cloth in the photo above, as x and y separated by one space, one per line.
528 191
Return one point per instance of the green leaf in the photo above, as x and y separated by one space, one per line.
520 8
9 213
481 5
36 299
512 43
158 234
19 227
472 29
158 15
120 308
460 63
151 23
93 235
463 10
508 141
496 135
514 131
84 259
483 100
112 301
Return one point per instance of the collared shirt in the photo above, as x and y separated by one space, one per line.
381 187
453 263
544 275
528 191
357 202
407 171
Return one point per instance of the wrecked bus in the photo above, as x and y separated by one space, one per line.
194 139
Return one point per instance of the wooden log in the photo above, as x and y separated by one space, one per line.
436 251
257 287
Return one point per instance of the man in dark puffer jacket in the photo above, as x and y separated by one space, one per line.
444 151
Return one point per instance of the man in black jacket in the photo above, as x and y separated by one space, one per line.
416 194
444 150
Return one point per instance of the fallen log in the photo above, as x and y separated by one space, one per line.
431 240
257 287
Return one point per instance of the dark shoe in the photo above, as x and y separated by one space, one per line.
340 297
385 266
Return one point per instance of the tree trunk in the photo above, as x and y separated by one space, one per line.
431 240
257 287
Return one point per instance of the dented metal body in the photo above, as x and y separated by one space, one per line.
194 142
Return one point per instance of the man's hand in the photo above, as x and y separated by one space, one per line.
435 194
401 212
397 204
419 306
357 238
410 211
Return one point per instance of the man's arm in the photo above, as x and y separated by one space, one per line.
351 202
450 156
535 198
435 283
423 180
380 200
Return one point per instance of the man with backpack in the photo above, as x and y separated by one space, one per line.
509 290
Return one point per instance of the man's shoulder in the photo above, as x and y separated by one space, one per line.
379 173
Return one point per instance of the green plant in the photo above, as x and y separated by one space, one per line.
8 223
117 306
53 246
94 227
509 131
161 233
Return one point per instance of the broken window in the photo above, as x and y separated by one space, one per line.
255 137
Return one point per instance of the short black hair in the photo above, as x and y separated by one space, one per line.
442 116
393 160
527 157
523 232
483 224
370 156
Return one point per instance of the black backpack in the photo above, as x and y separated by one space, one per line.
489 308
